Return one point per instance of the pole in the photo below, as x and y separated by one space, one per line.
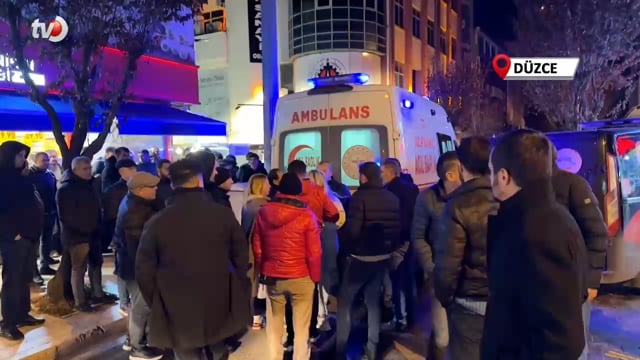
270 72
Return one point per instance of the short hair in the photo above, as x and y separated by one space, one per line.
324 162
371 171
297 167
110 149
525 154
393 164
79 160
162 162
207 161
122 149
39 155
273 176
144 151
474 153
446 161
181 171
252 155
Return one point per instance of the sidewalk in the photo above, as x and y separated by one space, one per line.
61 335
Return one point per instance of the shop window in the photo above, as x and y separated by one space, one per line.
398 74
431 33
356 147
445 143
303 145
399 13
416 23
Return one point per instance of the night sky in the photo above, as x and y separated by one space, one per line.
495 17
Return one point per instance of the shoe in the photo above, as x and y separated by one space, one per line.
85 308
288 346
30 321
47 271
401 326
11 333
233 345
257 322
38 280
51 261
145 353
105 299
126 346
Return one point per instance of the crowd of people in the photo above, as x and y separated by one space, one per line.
503 282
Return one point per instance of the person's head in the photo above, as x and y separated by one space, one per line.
519 158
109 152
208 163
370 173
449 172
473 154
126 168
186 173
122 153
258 186
41 161
223 179
298 167
144 185
290 184
390 170
326 169
274 176
13 155
81 167
145 157
318 177
253 160
163 168
230 159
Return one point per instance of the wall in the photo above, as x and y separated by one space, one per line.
345 62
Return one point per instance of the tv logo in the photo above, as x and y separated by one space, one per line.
55 31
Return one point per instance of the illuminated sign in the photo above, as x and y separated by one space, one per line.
343 113
10 73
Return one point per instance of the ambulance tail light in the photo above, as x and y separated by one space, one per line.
346 79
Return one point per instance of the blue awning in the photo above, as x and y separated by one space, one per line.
18 113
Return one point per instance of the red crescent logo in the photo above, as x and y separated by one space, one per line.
296 150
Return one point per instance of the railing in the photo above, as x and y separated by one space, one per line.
211 22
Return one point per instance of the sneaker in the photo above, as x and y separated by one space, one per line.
105 299
47 271
145 353
257 322
38 280
126 346
288 346
51 261
85 308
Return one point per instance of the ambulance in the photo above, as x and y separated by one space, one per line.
345 122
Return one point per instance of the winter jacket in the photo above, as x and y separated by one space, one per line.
536 265
148 167
133 213
574 193
246 171
46 185
218 195
426 218
319 202
191 267
341 191
286 240
110 174
163 193
112 198
21 212
373 221
461 248
79 210
250 211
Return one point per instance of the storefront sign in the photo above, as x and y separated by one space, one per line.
343 113
329 67
214 94
255 31
7 136
10 73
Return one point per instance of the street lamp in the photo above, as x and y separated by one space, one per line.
241 105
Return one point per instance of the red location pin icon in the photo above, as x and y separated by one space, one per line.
501 65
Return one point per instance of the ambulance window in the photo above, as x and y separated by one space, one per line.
628 148
445 143
303 145
357 146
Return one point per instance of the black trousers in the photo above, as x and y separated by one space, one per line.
313 331
17 273
46 239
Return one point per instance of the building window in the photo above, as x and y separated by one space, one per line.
454 5
211 22
454 43
399 74
416 23
323 3
399 13
443 45
431 33
414 81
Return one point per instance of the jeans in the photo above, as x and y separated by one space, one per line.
16 277
139 315
403 291
358 275
124 294
440 330
212 352
465 333
298 292
586 319
83 256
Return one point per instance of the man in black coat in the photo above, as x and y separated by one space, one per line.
46 185
164 186
373 229
339 189
253 166
401 267
180 251
21 215
135 210
460 273
537 259
110 173
80 214
426 218
112 197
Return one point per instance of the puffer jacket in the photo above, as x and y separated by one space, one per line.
286 240
426 217
461 248
319 202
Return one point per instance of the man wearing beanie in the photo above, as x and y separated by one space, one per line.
135 210
220 187
287 251
373 228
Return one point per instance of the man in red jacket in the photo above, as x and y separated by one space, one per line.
287 252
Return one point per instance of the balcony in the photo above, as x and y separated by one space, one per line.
211 22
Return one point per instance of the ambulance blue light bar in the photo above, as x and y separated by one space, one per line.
407 104
356 78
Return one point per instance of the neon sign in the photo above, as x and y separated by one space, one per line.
10 73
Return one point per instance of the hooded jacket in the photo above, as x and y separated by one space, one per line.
286 240
21 212
319 202
46 185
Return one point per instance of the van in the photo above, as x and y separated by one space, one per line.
607 155
346 123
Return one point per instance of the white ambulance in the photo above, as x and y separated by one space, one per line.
347 123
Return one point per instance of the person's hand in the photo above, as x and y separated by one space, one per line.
396 260
18 237
592 294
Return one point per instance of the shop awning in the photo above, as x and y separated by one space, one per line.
18 113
